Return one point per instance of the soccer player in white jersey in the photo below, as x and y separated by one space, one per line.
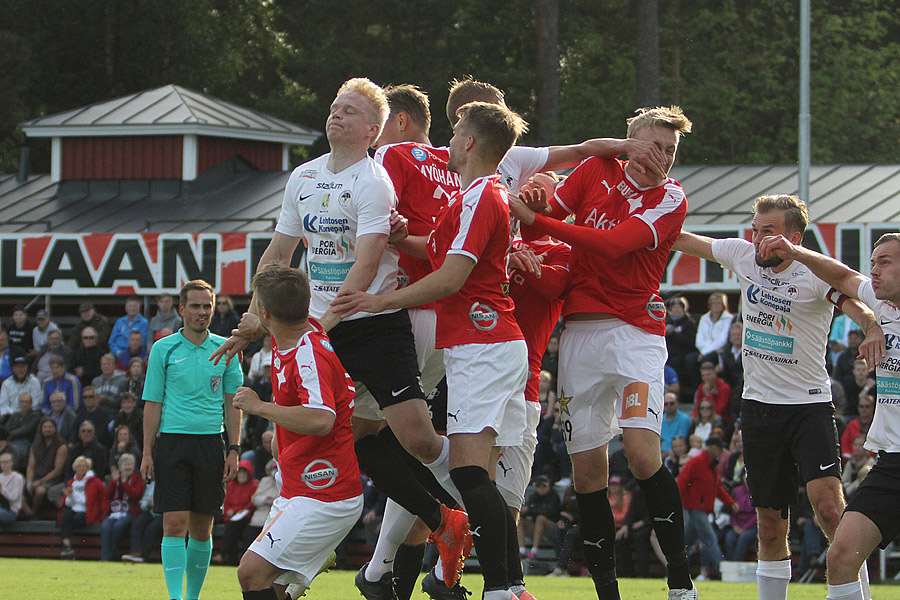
340 205
870 519
613 348
787 416
312 400
484 352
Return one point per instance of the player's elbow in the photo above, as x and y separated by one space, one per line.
321 424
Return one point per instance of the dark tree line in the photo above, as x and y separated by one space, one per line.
732 65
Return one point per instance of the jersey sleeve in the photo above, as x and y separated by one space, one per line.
289 221
526 161
475 232
373 205
866 294
233 377
155 380
315 370
665 219
728 252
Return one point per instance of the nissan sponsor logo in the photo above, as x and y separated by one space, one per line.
656 308
319 474
483 316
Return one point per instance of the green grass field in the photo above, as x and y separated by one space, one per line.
27 579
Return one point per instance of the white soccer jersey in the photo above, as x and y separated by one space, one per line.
520 163
787 317
330 211
884 434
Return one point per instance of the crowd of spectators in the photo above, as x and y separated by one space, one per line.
71 426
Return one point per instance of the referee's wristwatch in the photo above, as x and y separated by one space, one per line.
236 448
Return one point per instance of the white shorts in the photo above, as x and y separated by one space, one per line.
610 378
486 389
301 532
514 466
431 363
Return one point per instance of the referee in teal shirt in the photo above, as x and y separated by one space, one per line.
187 401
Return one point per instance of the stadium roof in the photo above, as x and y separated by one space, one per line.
723 194
169 110
233 196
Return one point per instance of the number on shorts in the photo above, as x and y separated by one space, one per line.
567 430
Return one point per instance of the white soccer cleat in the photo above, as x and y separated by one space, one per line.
684 594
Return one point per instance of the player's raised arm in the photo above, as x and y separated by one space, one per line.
835 273
646 156
695 245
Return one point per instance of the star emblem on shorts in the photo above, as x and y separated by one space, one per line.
564 404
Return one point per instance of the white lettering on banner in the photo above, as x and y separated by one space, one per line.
127 263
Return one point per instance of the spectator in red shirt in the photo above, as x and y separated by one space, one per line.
700 485
715 390
861 424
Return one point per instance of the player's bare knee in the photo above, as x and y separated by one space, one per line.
247 577
842 564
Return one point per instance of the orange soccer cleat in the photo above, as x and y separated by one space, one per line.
451 540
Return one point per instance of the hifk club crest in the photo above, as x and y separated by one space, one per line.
214 382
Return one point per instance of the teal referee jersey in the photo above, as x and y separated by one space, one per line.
190 387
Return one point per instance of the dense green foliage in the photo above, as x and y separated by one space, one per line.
732 65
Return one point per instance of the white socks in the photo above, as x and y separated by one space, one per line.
395 526
846 591
441 470
772 578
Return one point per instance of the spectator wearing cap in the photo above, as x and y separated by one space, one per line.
42 329
87 356
22 426
539 515
700 485
62 381
89 317
133 320
53 347
20 331
166 318
21 382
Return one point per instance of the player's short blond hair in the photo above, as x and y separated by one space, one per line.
796 215
670 117
375 96
495 128
467 89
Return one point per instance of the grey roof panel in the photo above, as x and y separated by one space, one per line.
169 105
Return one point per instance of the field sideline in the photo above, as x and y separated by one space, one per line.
34 579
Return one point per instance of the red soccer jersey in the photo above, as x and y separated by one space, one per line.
539 303
323 467
475 224
423 186
601 195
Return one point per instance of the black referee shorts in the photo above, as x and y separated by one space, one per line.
380 352
878 495
188 473
786 445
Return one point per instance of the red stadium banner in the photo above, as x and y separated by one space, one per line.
127 263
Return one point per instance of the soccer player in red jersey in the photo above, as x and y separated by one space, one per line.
484 352
613 350
321 496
